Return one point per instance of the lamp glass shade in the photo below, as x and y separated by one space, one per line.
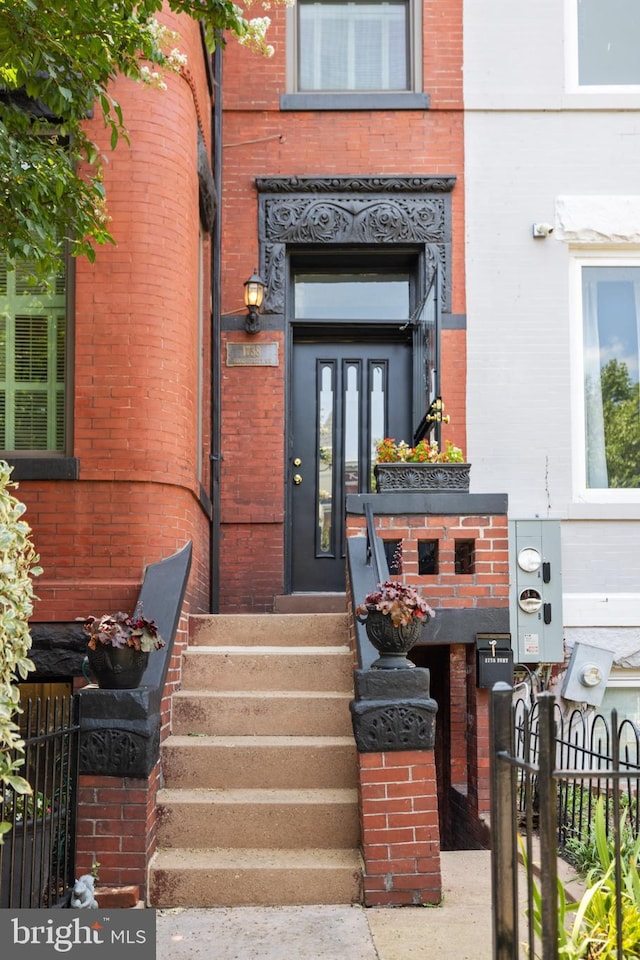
254 291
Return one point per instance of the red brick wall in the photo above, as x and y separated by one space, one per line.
260 140
486 587
117 828
135 367
400 832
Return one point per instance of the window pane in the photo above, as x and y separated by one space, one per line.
326 403
353 46
608 38
611 314
32 361
351 296
352 421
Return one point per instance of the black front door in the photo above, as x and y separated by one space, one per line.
346 395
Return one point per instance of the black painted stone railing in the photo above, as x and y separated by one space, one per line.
120 729
392 709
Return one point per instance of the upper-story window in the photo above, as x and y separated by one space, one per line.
361 54
33 331
610 297
353 46
608 39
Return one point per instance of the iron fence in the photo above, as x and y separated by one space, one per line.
584 742
547 774
37 858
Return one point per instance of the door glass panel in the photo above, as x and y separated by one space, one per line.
377 407
324 504
351 296
351 428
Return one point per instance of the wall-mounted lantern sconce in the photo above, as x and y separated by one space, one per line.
253 297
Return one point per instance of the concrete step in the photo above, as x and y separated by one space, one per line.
270 819
280 630
310 603
231 877
267 712
259 762
267 668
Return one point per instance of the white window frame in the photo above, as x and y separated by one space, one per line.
572 61
414 53
590 258
620 678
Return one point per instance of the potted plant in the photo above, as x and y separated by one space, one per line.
119 647
393 616
424 467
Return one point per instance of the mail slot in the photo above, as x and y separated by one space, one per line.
495 658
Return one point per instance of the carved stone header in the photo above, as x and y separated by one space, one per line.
355 184
351 210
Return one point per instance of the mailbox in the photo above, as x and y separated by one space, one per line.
495 658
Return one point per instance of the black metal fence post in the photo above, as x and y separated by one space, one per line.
504 853
548 825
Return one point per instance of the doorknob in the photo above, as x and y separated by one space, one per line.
297 479
297 462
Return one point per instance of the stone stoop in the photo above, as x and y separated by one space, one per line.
259 805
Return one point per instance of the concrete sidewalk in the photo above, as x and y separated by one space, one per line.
459 929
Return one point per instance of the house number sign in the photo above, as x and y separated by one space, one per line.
252 355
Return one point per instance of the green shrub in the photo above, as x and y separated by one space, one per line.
18 564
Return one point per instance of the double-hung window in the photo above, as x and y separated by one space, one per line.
608 38
609 293
33 330
366 49
354 46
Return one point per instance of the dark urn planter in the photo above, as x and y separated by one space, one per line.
422 477
117 668
392 643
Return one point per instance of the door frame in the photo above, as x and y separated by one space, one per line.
422 286
380 215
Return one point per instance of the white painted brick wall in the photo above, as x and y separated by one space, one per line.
529 141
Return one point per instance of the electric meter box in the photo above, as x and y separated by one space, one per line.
535 591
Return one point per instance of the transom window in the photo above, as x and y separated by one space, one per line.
354 46
610 328
32 361
608 41
351 295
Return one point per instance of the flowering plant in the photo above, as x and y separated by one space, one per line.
20 807
388 451
121 630
397 600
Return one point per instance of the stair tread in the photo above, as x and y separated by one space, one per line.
238 858
338 616
260 795
252 740
264 694
335 649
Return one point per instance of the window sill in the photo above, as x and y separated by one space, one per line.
43 468
354 101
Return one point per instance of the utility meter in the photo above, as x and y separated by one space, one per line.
536 591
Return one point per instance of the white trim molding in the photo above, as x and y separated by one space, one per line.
598 219
601 609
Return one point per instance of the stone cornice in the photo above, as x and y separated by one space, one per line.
344 184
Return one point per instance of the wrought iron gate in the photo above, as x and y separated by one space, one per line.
37 858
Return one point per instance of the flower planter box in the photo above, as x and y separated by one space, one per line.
422 477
